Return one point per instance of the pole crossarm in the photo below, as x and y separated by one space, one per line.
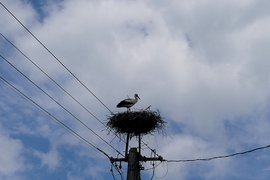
143 158
159 158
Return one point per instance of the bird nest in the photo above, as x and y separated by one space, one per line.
136 122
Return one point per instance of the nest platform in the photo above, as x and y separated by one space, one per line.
136 122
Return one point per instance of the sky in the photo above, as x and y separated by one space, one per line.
203 64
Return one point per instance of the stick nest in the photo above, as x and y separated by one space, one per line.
136 122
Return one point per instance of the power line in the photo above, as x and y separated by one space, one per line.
61 86
60 105
56 82
220 157
59 60
118 170
53 55
112 171
51 79
41 109
99 150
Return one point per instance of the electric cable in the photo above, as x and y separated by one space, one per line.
148 169
152 150
60 105
56 83
53 55
57 58
51 79
69 72
220 157
202 159
117 169
153 164
167 170
56 120
99 150
48 114
112 171
153 173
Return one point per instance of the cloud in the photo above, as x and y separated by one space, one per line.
11 156
51 159
21 9
216 91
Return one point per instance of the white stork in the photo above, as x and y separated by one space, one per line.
128 102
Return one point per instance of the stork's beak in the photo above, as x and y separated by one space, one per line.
139 97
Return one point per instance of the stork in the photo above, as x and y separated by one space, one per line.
129 102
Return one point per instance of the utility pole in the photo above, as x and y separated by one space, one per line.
133 165
135 124
133 158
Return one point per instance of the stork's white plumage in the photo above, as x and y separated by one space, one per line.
129 102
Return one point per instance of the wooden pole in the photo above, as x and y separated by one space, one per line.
133 165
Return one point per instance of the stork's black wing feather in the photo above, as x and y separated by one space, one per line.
124 104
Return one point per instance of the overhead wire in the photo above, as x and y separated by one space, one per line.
51 78
153 164
53 55
60 86
60 105
188 160
220 157
44 111
47 113
118 170
152 150
166 173
59 61
55 82
112 171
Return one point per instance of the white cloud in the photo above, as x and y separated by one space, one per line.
11 158
20 9
51 159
